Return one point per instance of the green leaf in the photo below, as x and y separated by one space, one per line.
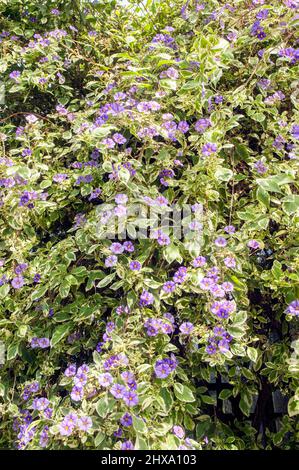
203 427
70 256
276 270
245 402
168 84
64 290
252 354
293 406
139 425
99 439
4 290
60 332
208 399
223 174
291 204
141 443
172 253
102 407
12 350
268 184
107 280
236 331
39 292
239 317
225 394
183 393
263 196
167 398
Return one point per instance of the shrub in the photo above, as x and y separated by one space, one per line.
112 342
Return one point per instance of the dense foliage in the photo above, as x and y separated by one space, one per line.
113 343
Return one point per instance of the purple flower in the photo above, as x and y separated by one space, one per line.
108 142
180 275
183 126
186 328
119 138
169 287
129 247
43 343
116 248
230 262
84 368
202 124
257 30
26 152
105 380
291 3
293 308
162 238
70 371
84 423
217 291
20 268
218 331
146 298
218 99
34 342
229 229
71 419
65 429
227 286
15 75
110 261
172 73
276 97
199 262
290 53
178 431
220 242
195 225
223 346
118 433
152 326
40 404
162 370
164 367
135 266
36 278
127 376
55 11
119 96
77 393
118 390
211 349
17 282
208 149
81 379
121 199
120 211
126 420
295 131
127 445
254 244
60 177
44 437
95 194
223 308
131 398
